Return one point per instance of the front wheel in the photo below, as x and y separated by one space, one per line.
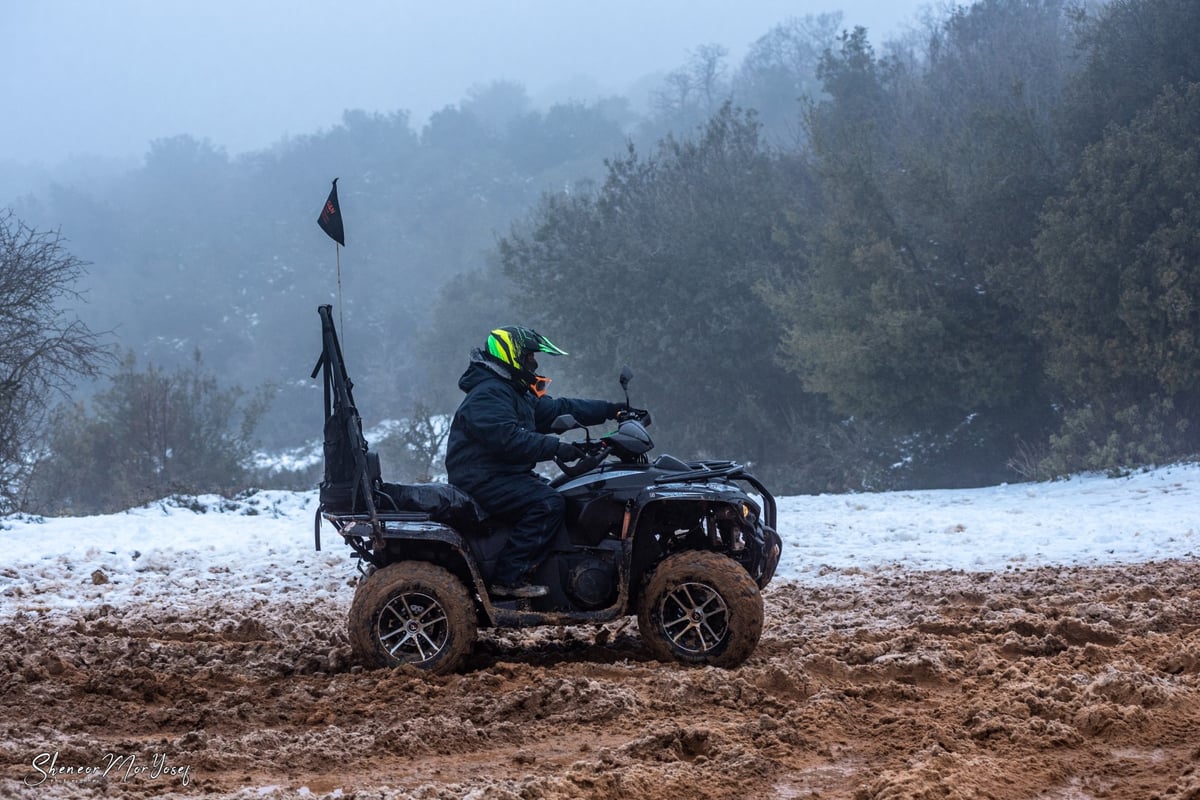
412 612
701 608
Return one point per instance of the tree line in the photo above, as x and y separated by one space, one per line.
961 257
982 264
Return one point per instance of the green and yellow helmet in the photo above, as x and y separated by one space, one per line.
510 345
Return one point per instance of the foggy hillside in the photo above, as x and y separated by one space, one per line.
855 262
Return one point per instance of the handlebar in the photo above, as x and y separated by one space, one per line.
637 414
594 453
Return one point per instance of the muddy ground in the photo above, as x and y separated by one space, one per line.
1063 683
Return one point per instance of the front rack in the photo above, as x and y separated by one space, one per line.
729 470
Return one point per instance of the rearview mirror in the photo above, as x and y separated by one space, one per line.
564 423
626 376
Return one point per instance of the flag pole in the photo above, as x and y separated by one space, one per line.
337 249
330 221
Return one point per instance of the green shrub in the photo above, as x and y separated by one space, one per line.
149 435
413 451
1093 440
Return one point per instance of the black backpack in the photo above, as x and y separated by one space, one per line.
351 469
353 483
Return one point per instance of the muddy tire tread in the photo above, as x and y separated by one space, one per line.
376 591
739 591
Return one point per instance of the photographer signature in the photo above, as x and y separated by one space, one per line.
46 766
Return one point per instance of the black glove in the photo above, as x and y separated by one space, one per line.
568 452
640 414
614 410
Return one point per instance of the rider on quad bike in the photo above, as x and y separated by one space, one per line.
685 545
500 431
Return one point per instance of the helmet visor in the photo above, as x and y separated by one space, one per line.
544 345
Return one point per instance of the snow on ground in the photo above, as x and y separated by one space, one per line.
170 553
1087 520
181 552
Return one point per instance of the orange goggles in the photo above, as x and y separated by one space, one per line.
539 385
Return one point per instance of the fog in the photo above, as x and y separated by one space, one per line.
895 268
85 78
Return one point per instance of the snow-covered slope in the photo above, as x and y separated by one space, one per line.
262 545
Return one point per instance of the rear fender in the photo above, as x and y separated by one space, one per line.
408 537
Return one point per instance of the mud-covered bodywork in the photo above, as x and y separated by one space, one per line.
672 505
622 520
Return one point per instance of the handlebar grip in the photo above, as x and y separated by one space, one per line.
638 414
585 464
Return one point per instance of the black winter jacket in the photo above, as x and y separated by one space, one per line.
500 429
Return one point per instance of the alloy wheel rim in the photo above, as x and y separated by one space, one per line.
413 627
694 618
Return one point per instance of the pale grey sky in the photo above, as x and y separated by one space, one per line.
108 76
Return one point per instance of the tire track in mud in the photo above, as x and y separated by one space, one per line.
1055 682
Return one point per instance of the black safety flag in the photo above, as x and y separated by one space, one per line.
331 217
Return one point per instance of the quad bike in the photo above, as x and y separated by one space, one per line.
683 545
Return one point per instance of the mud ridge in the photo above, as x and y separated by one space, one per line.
1067 682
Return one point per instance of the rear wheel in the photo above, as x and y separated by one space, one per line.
701 608
412 612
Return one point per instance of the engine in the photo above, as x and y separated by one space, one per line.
592 576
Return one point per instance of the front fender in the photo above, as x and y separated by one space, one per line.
724 513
